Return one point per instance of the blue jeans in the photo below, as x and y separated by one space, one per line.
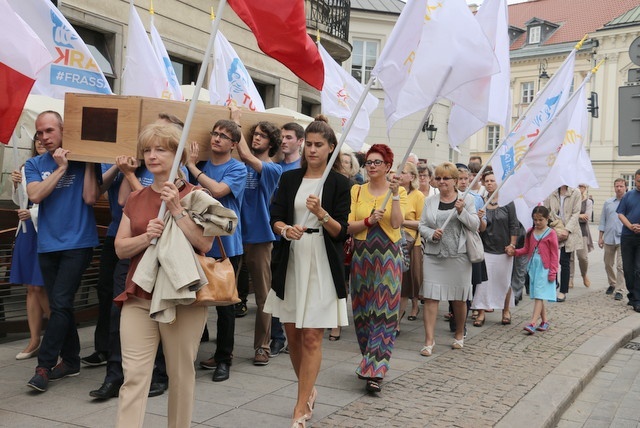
62 272
630 248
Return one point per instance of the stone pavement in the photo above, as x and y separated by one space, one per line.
502 377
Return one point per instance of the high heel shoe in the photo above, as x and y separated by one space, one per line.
301 422
311 403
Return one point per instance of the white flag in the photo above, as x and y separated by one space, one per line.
144 74
230 82
435 47
561 158
543 110
163 56
488 97
73 69
340 94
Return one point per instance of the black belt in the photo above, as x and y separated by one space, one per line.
311 230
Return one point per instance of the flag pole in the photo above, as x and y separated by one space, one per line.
215 24
22 198
336 151
544 130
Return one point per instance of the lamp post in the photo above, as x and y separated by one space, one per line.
430 128
542 73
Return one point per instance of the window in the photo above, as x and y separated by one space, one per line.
363 58
534 35
493 137
527 92
310 108
630 179
97 44
267 93
186 72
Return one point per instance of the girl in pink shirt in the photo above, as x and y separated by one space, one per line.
541 245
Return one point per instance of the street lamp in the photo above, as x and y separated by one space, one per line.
430 129
542 72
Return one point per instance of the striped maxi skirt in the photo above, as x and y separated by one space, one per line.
376 277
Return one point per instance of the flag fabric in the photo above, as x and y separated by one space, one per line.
22 56
561 159
430 53
280 27
144 74
340 94
540 114
163 56
489 97
230 82
73 69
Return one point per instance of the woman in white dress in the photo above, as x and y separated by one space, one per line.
308 293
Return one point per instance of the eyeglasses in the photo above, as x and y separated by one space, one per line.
260 134
222 136
443 178
376 162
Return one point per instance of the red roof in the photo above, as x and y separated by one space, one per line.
574 18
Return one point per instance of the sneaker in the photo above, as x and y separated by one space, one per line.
530 328
544 326
261 358
61 371
276 347
241 309
618 295
610 290
94 360
40 380
209 364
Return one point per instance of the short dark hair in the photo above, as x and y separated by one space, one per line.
231 127
620 180
273 133
59 118
296 127
172 119
475 158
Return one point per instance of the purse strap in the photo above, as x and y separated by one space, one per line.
222 251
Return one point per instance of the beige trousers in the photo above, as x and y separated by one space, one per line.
258 260
613 257
139 336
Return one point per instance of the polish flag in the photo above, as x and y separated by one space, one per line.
22 56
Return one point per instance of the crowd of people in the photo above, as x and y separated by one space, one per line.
411 234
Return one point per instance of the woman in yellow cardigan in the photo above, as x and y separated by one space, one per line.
376 268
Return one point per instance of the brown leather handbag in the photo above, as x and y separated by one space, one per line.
221 288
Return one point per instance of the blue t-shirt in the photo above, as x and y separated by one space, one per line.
65 222
630 207
234 174
114 206
257 198
289 166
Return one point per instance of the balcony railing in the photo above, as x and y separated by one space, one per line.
330 16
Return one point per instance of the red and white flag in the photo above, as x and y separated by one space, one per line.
435 47
340 94
73 69
280 27
22 56
230 82
144 74
487 99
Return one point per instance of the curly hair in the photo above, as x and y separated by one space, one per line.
273 133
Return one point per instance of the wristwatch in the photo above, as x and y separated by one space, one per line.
325 219
179 216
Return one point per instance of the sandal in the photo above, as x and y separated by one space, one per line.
373 385
478 322
457 344
414 317
448 316
474 314
506 319
311 403
335 337
427 350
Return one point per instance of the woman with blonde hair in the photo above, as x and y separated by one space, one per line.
139 333
349 166
445 254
